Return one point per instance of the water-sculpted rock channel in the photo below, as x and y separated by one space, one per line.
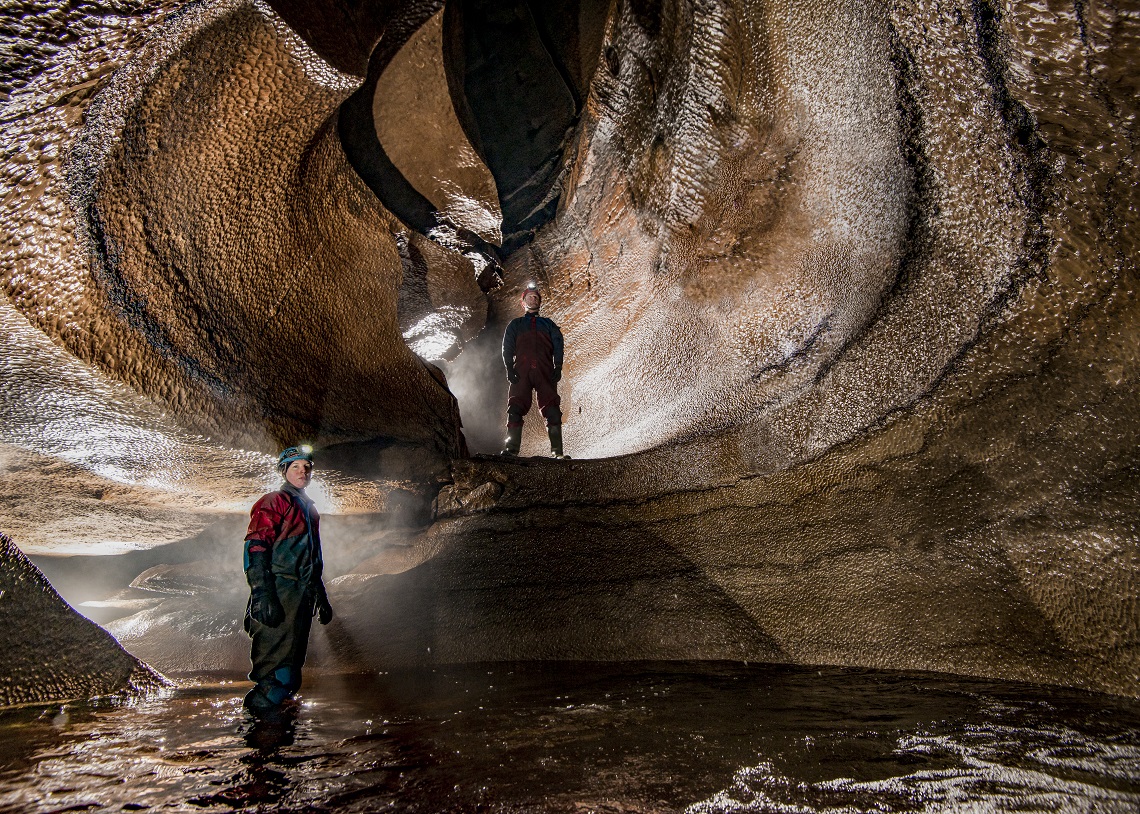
849 292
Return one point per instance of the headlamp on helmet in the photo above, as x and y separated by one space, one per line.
531 288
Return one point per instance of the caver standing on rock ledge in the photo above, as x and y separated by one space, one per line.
532 354
284 567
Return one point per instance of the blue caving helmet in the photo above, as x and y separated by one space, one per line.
287 456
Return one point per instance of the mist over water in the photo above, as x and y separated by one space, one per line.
478 380
206 570
576 737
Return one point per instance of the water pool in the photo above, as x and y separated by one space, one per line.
574 737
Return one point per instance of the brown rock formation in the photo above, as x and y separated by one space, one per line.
51 653
897 246
200 242
851 287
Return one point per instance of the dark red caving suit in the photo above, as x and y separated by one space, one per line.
283 549
532 354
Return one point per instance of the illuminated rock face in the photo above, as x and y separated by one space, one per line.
799 218
50 651
850 286
196 234
873 267
887 252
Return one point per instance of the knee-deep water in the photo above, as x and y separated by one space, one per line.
694 737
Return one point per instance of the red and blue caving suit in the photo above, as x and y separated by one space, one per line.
532 354
284 539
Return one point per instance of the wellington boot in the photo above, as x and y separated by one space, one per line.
555 433
513 441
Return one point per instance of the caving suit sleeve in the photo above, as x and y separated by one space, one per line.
556 341
265 520
509 338
318 553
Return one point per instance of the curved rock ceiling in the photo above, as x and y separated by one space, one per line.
850 287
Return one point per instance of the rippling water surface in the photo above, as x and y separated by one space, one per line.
586 738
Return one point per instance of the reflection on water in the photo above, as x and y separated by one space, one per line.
692 738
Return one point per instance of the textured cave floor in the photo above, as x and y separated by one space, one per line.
573 737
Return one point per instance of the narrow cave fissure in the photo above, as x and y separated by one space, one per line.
503 64
517 74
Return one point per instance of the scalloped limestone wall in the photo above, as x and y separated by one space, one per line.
851 288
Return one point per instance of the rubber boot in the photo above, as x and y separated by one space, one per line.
555 433
513 441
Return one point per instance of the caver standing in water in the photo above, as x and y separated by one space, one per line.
532 354
284 566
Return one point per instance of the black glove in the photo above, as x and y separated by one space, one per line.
265 608
324 609
557 374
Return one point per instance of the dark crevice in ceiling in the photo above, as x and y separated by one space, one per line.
518 73
356 126
345 32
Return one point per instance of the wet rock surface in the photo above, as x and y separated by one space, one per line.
123 245
982 584
876 227
51 653
841 212
849 288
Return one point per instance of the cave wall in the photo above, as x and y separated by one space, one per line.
416 124
179 298
848 292
206 242
864 276
916 275
837 201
